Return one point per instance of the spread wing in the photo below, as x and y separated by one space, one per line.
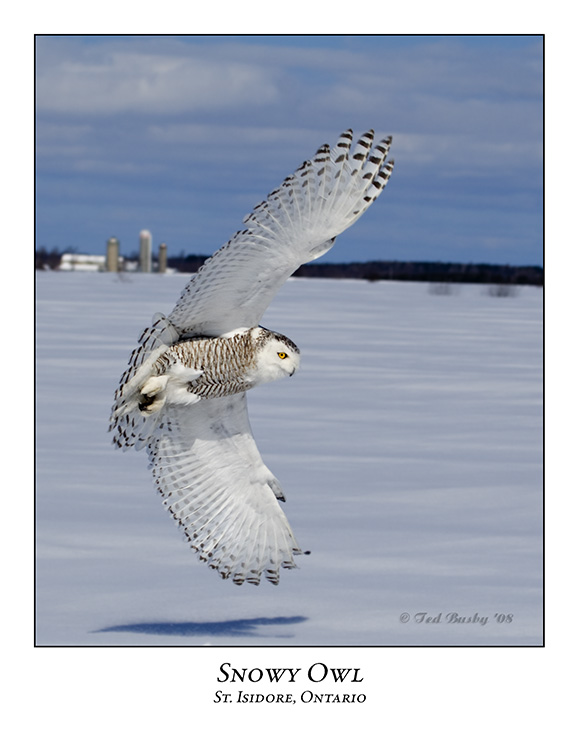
207 467
297 223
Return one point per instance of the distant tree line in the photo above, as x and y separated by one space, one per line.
381 270
187 263
44 258
374 270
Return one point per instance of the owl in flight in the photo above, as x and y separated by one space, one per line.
183 392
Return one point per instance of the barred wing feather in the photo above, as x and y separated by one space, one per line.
297 223
129 426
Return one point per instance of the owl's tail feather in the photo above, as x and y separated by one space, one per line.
137 407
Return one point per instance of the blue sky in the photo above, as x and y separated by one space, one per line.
182 135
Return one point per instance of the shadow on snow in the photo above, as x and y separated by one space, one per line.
225 627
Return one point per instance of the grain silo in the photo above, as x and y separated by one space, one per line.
112 263
162 257
145 245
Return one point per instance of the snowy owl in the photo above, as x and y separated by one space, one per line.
183 392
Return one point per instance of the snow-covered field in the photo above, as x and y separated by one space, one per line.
409 446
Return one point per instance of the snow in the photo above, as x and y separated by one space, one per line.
409 447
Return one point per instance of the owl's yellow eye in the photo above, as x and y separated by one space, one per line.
282 355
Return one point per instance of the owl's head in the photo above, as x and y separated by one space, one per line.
276 355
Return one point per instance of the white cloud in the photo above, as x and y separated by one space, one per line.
140 82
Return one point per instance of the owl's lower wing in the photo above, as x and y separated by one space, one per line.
297 223
208 469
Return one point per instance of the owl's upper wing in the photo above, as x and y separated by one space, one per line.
295 224
208 469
